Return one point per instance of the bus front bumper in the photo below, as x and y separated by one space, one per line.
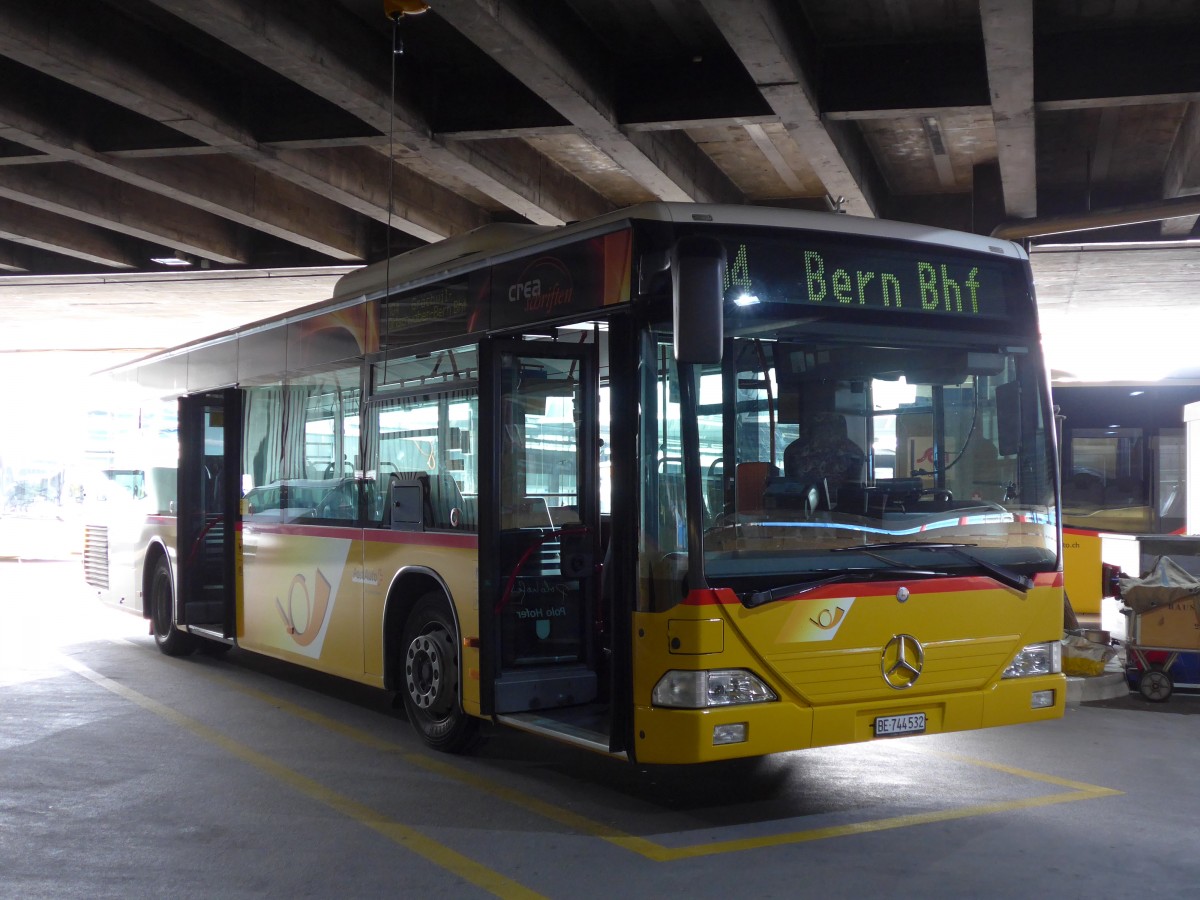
680 736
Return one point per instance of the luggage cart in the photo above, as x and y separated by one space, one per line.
1162 647
1155 672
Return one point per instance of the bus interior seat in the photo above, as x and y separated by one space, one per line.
825 450
750 483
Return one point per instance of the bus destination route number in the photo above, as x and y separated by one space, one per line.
887 726
896 280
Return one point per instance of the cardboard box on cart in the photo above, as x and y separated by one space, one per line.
1164 607
1176 625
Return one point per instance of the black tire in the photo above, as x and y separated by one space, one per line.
170 639
1155 684
429 677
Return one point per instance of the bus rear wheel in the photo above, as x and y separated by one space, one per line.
430 677
170 639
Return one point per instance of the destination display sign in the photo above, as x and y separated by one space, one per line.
832 274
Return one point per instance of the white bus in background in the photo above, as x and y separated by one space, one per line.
127 510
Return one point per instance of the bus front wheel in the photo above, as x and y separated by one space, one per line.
170 639
429 680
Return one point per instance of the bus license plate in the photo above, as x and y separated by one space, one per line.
912 723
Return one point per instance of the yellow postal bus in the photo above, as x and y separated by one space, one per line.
1123 449
681 483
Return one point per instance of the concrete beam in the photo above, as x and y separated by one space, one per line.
1181 176
34 227
231 188
317 46
760 39
663 166
1008 45
68 191
151 86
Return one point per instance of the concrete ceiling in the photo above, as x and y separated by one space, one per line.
262 135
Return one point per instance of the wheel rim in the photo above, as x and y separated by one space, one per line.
424 670
1156 685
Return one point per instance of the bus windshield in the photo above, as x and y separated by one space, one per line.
812 445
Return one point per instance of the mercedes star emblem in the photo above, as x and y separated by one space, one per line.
903 659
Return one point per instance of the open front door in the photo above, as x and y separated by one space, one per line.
539 578
209 515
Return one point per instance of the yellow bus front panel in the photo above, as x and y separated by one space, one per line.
825 656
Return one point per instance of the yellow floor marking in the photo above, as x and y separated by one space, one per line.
1025 773
657 852
548 811
409 838
664 854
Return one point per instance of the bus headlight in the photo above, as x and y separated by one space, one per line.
1036 659
721 687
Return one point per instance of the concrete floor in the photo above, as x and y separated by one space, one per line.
127 774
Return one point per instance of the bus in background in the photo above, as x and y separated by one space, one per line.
126 507
681 483
1123 453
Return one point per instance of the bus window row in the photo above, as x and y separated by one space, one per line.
406 457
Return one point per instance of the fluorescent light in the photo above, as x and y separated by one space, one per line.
179 258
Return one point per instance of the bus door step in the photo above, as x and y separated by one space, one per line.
584 727
212 634
544 687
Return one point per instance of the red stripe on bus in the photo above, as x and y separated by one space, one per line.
425 539
330 531
719 596
375 536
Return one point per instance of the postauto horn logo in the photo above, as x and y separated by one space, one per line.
305 613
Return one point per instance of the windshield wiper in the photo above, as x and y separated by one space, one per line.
790 591
1006 576
758 598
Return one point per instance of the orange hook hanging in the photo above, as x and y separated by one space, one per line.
396 8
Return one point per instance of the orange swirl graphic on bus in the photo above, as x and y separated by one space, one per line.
315 608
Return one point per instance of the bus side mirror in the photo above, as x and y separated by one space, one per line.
698 299
1008 418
